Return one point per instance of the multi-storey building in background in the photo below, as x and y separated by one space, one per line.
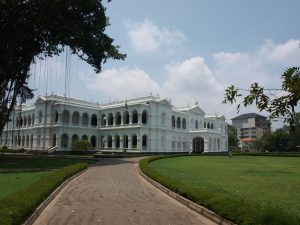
250 127
146 124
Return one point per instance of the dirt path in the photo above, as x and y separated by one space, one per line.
115 194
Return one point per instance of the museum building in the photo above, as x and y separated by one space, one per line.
146 124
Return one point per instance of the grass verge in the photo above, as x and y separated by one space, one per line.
16 207
227 204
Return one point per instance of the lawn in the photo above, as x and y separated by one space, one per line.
262 181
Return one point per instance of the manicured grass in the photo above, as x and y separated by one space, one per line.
244 189
13 182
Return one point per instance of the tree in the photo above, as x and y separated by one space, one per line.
279 106
35 29
232 137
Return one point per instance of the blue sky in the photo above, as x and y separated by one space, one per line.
184 50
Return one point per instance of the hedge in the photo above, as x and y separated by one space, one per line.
233 208
17 207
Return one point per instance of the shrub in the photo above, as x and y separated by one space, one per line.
16 207
82 145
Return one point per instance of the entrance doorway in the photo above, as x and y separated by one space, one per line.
198 144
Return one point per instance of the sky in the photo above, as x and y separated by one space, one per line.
186 51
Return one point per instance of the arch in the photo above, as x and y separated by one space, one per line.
118 118
27 140
204 124
144 117
103 120
173 122
178 122
208 126
64 140
183 123
21 121
134 141
135 117
196 124
110 119
125 141
198 144
84 137
29 120
40 117
117 141
93 141
126 117
65 117
163 119
102 141
23 140
56 116
144 141
75 118
25 120
109 141
31 140
74 139
85 120
53 140
94 120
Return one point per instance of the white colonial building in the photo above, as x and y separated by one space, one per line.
146 124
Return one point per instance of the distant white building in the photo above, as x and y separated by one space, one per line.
146 124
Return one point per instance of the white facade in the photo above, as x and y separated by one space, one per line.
146 124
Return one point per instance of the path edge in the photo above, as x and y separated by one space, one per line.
190 204
32 218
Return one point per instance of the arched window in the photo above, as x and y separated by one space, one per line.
173 122
134 141
74 139
64 140
118 118
84 137
94 120
27 140
183 123
103 120
126 117
117 141
94 141
75 119
109 141
102 141
196 124
65 117
178 122
85 120
144 141
144 117
23 140
25 121
125 141
208 126
21 122
212 126
29 120
163 119
135 117
55 117
110 119
204 124
31 140
40 117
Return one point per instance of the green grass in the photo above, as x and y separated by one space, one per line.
244 189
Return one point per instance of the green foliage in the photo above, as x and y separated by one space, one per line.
245 190
82 145
282 106
16 207
232 137
42 29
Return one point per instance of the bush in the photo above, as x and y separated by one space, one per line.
82 145
231 207
16 207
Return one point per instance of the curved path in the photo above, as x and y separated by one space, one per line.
114 194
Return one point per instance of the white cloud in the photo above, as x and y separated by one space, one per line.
121 83
147 37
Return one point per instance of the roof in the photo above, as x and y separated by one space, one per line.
248 115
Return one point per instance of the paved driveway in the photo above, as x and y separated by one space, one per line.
115 194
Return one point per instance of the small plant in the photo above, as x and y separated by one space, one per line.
82 145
